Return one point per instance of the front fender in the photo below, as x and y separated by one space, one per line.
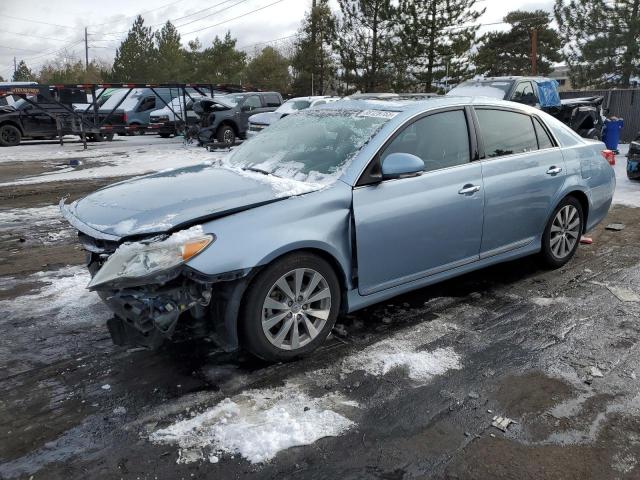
319 220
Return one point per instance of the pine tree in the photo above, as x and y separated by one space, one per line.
269 70
23 74
312 62
509 53
221 62
134 58
602 41
436 37
170 58
364 43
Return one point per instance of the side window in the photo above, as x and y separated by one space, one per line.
525 93
252 103
441 140
272 100
147 104
544 140
506 133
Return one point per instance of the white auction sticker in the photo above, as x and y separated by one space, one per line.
377 114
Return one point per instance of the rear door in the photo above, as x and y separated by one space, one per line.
523 171
410 228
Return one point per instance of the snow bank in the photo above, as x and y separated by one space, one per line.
256 424
63 298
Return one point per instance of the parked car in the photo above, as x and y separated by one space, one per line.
163 120
226 118
633 159
334 209
260 121
133 108
583 115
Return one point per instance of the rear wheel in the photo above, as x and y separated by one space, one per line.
10 136
226 135
290 307
562 234
165 135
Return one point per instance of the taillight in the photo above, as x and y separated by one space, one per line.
609 156
124 118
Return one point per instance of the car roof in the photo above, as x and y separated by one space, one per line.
509 78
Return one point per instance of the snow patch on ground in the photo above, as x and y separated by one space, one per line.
627 191
135 161
256 424
421 365
548 301
62 298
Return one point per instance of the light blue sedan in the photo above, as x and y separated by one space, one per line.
334 209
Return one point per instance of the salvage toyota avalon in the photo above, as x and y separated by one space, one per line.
333 209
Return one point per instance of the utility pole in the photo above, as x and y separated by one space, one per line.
534 51
15 67
313 42
86 49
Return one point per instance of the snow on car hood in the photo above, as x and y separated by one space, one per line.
176 198
265 118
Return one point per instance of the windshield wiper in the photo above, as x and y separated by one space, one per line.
259 170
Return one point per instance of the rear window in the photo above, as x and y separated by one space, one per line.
272 100
506 133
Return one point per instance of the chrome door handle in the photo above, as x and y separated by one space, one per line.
469 189
554 170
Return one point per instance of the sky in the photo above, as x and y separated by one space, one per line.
38 30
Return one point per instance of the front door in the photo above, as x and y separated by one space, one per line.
410 228
523 173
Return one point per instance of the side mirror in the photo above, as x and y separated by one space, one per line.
401 165
247 108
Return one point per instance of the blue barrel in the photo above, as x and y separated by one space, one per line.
611 133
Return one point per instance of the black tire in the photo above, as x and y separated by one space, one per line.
10 136
551 254
253 336
226 135
165 135
109 137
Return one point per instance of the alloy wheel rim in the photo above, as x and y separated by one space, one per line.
228 136
296 309
565 231
9 135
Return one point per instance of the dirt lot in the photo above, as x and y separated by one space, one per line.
403 390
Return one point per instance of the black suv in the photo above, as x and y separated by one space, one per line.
225 118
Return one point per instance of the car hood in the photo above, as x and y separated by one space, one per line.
265 118
172 200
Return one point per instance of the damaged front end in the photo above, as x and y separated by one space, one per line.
148 286
147 282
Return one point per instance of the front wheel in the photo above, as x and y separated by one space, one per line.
562 233
290 307
226 135
10 136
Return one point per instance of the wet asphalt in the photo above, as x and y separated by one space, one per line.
555 351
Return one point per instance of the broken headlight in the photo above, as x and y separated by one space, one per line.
139 260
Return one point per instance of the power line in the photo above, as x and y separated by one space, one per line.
18 49
234 18
268 41
134 16
37 21
35 36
